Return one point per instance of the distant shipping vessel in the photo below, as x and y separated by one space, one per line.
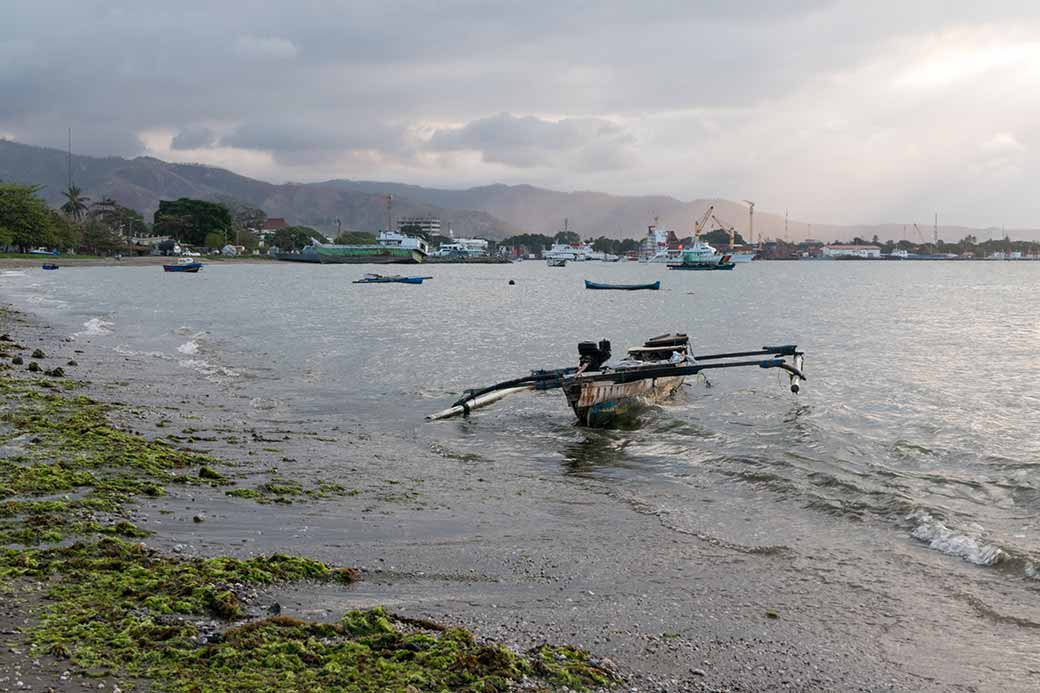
389 249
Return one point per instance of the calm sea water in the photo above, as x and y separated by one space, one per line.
919 419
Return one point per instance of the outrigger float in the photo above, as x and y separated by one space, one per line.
602 394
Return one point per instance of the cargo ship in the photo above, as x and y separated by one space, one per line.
390 248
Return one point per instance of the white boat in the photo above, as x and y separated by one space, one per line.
393 239
658 246
556 261
701 255
742 256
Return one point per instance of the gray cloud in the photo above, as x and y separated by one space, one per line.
265 48
194 137
794 103
528 141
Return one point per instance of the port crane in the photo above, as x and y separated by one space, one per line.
920 234
728 228
699 223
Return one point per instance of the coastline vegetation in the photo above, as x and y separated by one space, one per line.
112 606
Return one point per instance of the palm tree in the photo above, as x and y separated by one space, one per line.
75 202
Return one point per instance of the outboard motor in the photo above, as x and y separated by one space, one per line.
592 356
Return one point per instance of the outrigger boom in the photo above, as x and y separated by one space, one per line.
598 393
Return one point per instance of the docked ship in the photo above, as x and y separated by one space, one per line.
701 256
659 246
390 248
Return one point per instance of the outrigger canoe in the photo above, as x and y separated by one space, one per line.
623 287
603 394
389 279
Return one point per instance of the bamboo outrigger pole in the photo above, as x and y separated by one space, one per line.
555 378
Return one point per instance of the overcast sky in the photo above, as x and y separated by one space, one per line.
844 112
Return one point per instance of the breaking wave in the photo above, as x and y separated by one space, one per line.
954 543
96 327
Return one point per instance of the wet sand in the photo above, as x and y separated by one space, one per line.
143 261
527 558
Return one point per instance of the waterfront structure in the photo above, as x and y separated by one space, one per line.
463 247
659 245
390 248
428 226
866 252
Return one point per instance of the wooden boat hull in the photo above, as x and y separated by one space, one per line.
622 287
392 280
703 268
604 404
355 255
182 268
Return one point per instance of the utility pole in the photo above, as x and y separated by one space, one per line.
751 220
69 160
935 230
785 224
339 228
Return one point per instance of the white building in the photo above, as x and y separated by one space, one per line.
425 225
860 251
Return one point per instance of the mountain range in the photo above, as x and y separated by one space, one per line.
491 211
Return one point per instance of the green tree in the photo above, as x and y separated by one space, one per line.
356 238
123 220
605 245
25 218
295 237
75 202
568 237
247 239
721 237
189 220
100 238
66 233
214 241
627 246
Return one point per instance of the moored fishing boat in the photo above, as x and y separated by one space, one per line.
653 286
50 266
390 248
556 261
389 279
185 265
602 394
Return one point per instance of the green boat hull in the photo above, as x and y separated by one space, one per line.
354 255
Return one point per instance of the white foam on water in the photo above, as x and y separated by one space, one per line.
124 350
95 327
205 368
189 348
13 273
961 544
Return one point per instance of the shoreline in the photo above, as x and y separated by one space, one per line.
523 557
142 261
89 591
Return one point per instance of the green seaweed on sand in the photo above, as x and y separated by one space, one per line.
116 607
125 609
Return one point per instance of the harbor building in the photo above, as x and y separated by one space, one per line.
427 226
866 252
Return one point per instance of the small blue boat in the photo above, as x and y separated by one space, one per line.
50 266
623 287
389 279
185 265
